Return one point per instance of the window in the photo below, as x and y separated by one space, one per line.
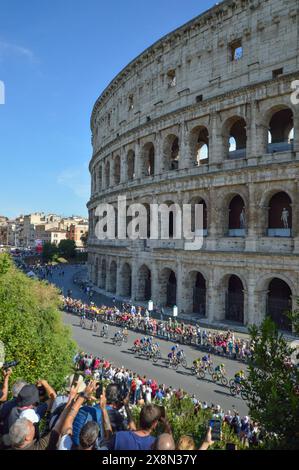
236 50
171 75
131 102
199 98
276 73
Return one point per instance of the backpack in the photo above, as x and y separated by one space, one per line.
86 414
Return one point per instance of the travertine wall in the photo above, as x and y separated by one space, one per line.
185 91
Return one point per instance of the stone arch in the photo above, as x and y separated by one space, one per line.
126 281
131 165
112 277
199 145
148 159
168 287
225 198
171 152
234 298
144 283
196 288
280 215
279 302
199 200
234 137
117 169
280 124
236 217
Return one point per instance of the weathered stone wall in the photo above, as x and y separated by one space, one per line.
148 129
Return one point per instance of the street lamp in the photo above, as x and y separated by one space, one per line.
175 311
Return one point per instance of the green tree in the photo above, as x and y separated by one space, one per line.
31 327
272 387
49 252
67 248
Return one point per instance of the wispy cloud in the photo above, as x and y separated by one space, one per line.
8 49
76 179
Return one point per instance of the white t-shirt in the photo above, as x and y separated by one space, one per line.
148 395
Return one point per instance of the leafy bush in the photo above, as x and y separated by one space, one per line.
31 327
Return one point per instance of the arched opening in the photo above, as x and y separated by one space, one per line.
168 287
237 217
103 275
112 279
281 131
279 301
107 174
235 137
131 165
148 159
199 144
197 201
117 169
126 281
199 294
144 288
171 153
280 215
234 301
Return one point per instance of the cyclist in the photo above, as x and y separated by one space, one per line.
105 329
117 335
197 363
239 376
206 361
220 369
82 317
137 343
180 354
125 332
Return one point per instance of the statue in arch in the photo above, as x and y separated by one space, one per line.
242 219
285 217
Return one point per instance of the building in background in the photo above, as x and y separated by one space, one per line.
76 232
205 116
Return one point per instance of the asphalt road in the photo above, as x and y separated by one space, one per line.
205 390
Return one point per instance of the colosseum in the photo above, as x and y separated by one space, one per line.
208 114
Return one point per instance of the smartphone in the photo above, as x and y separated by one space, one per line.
99 390
75 379
215 424
230 446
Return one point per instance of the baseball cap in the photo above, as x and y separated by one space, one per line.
31 415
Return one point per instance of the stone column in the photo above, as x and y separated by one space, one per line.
112 179
250 314
181 304
158 154
215 228
295 218
155 283
252 221
261 306
296 133
138 162
184 161
215 141
123 166
134 280
251 150
118 276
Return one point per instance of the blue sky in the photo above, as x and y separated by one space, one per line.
56 56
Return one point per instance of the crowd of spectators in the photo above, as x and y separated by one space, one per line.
223 343
97 411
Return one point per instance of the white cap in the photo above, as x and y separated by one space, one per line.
31 415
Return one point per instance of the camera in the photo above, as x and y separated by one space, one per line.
8 365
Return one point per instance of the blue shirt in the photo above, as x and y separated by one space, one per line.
129 440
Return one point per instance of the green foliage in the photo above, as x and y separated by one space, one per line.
50 251
185 421
31 328
67 248
272 387
294 317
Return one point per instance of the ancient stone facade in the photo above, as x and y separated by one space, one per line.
205 115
